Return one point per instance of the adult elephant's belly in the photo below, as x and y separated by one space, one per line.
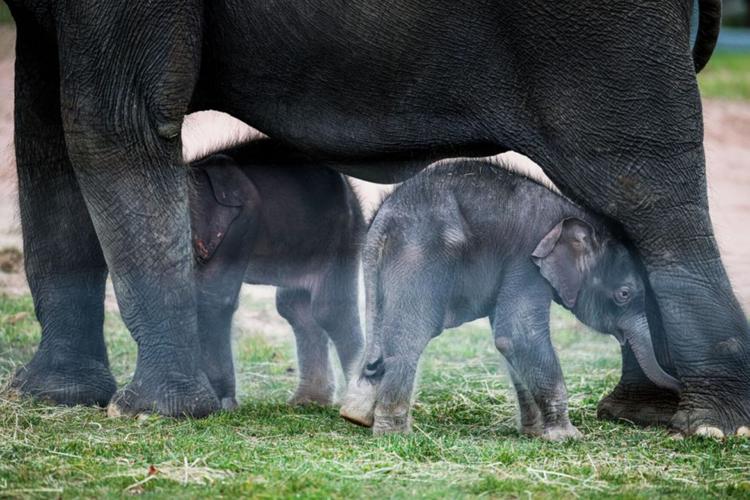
345 87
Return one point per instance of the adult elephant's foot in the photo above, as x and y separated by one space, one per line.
65 379
645 405
172 395
719 415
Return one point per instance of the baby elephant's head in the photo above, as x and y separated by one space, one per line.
596 277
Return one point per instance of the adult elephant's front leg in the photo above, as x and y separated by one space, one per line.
627 142
635 398
661 202
127 81
64 263
707 331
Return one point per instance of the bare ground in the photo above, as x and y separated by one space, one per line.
727 126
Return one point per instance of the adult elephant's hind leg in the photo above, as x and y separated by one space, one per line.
64 263
707 331
122 113
335 309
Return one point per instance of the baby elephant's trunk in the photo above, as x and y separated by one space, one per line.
638 335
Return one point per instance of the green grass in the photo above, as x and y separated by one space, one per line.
727 76
464 441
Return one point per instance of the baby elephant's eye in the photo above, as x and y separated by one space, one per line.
623 295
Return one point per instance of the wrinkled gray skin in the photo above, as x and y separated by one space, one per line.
602 95
468 239
262 218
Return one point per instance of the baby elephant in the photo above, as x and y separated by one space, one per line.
261 217
471 239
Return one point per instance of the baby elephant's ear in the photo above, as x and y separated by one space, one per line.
562 256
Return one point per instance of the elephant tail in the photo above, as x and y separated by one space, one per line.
372 260
709 24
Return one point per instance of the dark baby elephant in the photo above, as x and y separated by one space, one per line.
602 95
277 222
470 239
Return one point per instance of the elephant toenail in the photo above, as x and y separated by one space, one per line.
743 431
709 432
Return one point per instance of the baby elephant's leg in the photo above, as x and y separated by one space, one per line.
411 316
316 380
521 330
407 285
393 400
335 309
219 281
380 397
530 417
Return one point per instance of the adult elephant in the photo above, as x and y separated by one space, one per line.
602 96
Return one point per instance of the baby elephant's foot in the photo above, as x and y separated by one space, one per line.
533 429
312 394
358 406
391 422
229 403
561 432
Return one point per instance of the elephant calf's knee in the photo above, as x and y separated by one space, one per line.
504 344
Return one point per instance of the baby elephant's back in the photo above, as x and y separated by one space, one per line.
498 210
470 221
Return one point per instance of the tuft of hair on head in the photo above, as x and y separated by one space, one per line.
525 167
372 196
512 162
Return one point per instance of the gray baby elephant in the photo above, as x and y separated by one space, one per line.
263 215
470 239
